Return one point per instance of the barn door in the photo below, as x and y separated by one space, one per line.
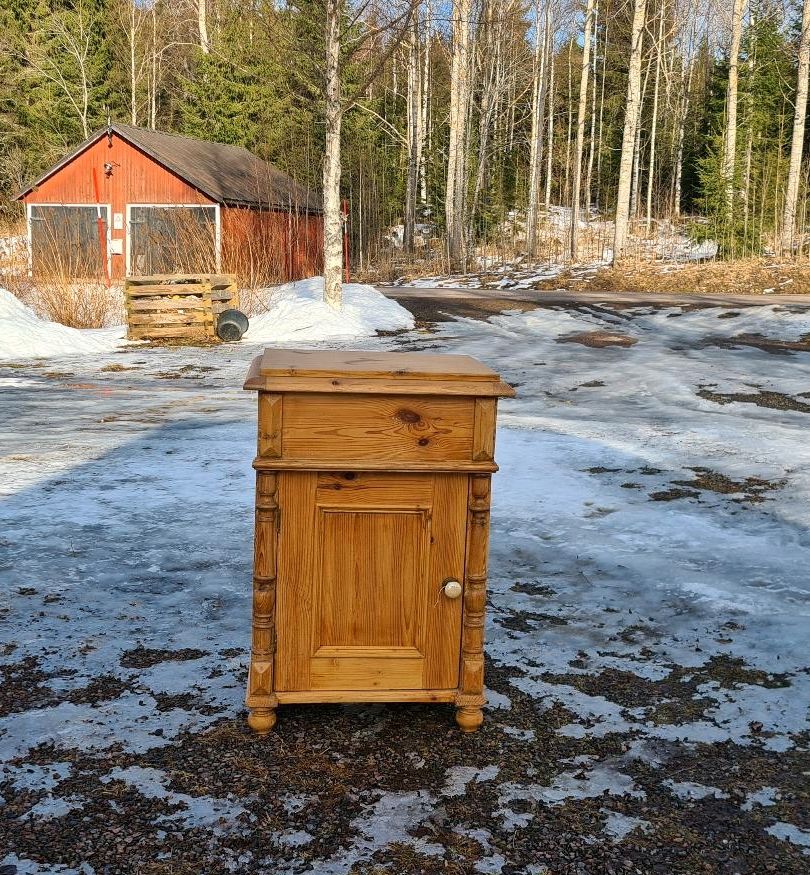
172 239
69 241
362 561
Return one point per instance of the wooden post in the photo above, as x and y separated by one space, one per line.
261 698
470 698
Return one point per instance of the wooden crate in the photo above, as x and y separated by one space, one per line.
177 305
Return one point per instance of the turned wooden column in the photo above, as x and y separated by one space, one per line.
470 698
261 698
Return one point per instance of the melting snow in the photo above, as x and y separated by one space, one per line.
297 313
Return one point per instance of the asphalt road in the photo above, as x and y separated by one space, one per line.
521 297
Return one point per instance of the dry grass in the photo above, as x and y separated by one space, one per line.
88 304
744 276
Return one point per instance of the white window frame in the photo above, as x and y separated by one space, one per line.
217 228
107 222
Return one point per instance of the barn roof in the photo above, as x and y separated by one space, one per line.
229 175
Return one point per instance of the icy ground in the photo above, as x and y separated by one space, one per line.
648 631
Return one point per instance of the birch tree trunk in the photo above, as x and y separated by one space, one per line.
332 219
730 139
457 146
202 26
654 123
629 132
582 108
539 88
154 72
133 97
797 138
550 143
414 109
592 133
634 186
424 114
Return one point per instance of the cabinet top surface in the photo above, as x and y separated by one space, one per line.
372 365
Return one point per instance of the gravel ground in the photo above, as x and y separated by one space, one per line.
632 727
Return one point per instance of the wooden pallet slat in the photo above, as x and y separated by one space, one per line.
177 305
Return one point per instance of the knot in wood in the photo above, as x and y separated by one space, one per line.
410 417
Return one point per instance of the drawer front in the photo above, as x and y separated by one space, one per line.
375 428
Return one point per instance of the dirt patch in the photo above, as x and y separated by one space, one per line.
673 494
173 342
144 657
427 311
763 398
591 384
538 589
599 339
759 341
21 687
116 368
751 489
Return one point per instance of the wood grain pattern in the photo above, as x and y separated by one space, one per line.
360 464
297 551
470 699
261 694
351 696
484 429
367 673
370 593
377 427
270 425
176 306
371 386
364 363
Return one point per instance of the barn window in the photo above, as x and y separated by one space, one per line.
172 239
69 240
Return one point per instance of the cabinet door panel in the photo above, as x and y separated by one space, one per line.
362 561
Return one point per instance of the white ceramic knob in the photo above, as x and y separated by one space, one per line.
452 589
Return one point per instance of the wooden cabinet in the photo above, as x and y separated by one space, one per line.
372 517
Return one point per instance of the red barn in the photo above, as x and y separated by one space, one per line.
131 201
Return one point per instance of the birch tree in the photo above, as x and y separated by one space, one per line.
797 137
659 52
336 104
332 218
539 97
61 53
202 26
414 124
631 118
730 138
582 107
457 160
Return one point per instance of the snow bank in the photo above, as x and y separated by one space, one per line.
24 335
298 313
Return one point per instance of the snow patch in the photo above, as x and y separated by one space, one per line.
297 313
789 833
618 826
24 335
459 776
202 812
